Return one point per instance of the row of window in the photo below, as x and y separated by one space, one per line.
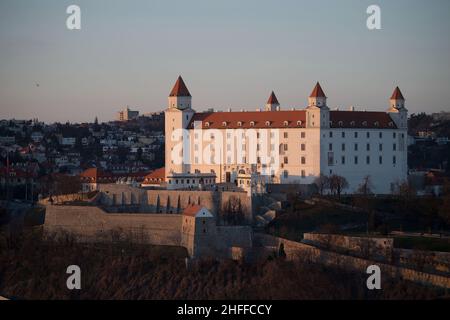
355 134
303 135
286 174
356 160
194 181
355 147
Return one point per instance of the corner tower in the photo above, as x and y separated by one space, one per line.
317 112
272 104
177 116
397 109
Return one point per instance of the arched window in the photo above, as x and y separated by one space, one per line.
285 123
364 123
224 124
299 123
267 123
252 123
239 124
207 124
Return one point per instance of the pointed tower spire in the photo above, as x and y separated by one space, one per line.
179 97
317 92
397 101
397 94
272 99
272 104
179 89
397 109
317 98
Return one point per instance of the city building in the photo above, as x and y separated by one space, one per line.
127 114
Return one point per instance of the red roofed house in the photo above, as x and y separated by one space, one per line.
155 178
90 178
285 146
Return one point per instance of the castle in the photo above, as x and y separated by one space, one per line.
222 164
252 148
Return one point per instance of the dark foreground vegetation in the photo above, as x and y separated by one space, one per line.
32 267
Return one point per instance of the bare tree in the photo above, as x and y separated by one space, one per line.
365 188
233 212
338 184
322 182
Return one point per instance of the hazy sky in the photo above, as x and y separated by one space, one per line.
230 54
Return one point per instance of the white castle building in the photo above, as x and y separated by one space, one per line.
284 146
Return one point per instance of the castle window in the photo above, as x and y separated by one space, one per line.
368 159
391 124
303 173
207 124
343 159
331 134
299 123
381 135
303 135
394 160
356 159
380 160
368 135
303 147
239 124
352 123
364 123
303 160
377 124
252 123
343 134
267 123
341 123
224 124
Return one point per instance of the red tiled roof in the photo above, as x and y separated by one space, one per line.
232 119
361 119
97 175
273 99
192 210
179 89
156 175
397 94
317 92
